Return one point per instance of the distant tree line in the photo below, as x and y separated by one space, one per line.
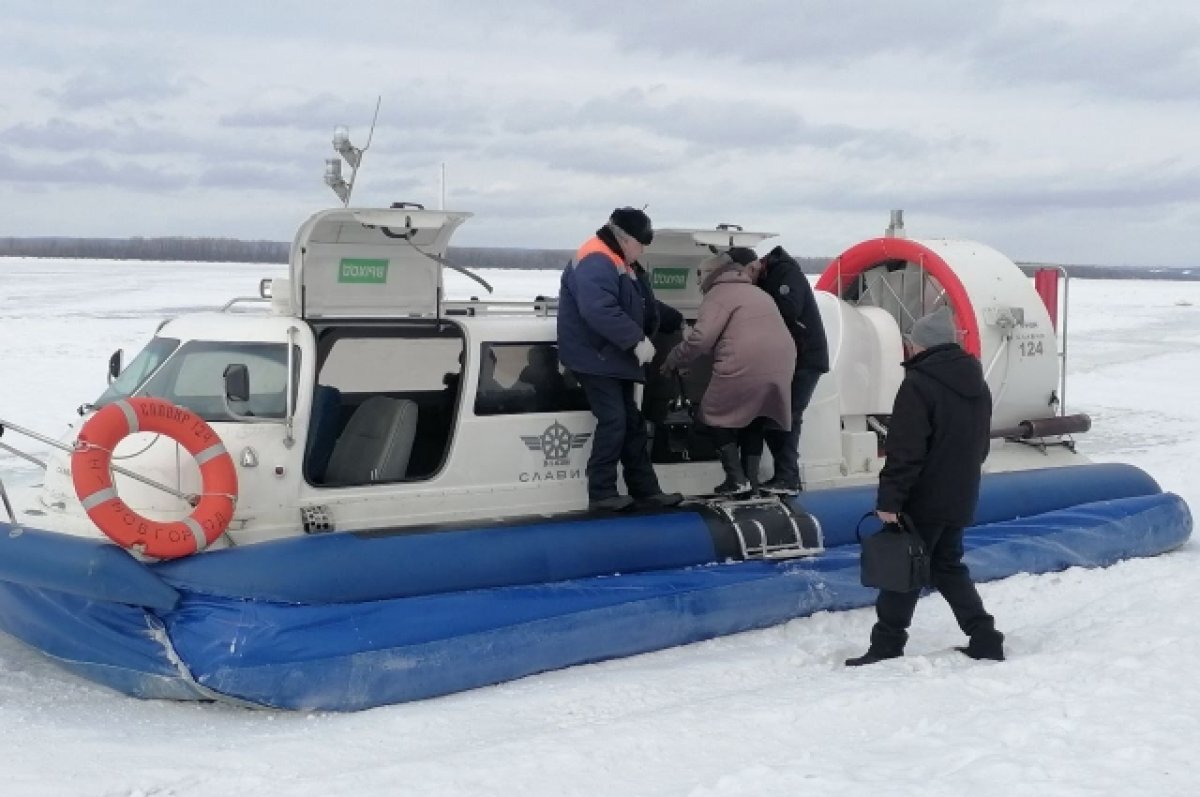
228 250
232 250
1122 272
474 257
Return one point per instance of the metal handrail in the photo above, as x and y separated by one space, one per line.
481 307
256 299
190 498
21 454
12 516
1062 374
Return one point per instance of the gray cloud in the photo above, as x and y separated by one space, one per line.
91 172
1136 51
1016 118
609 155
94 89
1152 186
243 176
742 125
418 107
1133 55
127 147
796 32
652 134
397 186
65 135
321 111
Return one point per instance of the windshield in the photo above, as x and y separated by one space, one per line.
138 371
193 376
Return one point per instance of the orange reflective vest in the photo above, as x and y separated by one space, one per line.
594 246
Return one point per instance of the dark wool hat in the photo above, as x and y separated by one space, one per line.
635 223
934 329
742 255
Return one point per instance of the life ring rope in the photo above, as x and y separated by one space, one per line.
91 472
204 456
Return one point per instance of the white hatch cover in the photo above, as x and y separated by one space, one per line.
371 263
674 258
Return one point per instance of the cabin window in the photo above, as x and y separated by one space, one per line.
519 378
194 378
385 404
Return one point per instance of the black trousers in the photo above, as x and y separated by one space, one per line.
950 577
749 439
620 437
785 445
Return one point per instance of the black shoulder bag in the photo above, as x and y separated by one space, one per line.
680 417
894 558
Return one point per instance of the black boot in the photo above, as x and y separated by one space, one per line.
780 485
615 503
750 468
661 500
735 482
872 656
887 642
987 646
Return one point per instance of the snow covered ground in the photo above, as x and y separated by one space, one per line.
1099 697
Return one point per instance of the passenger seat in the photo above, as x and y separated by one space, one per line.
376 444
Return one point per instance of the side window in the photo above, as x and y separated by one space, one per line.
518 378
383 364
384 407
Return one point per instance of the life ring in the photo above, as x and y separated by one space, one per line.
92 475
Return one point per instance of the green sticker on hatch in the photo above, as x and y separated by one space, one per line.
359 269
670 278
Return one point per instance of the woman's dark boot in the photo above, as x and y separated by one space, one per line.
735 482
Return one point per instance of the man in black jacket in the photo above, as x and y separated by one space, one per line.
937 440
780 275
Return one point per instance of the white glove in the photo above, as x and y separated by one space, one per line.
644 351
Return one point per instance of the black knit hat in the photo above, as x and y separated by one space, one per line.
635 223
742 255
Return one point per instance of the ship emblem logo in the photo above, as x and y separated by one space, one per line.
556 443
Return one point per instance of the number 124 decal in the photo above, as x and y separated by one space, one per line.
1031 348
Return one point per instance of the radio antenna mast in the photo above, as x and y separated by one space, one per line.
351 154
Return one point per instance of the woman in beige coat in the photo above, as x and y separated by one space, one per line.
753 360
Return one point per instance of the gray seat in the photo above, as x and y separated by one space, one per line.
376 443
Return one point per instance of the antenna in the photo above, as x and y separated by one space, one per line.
351 154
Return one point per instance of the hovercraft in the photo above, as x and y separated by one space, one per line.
352 491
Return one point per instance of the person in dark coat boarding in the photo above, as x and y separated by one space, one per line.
780 276
753 358
937 440
605 316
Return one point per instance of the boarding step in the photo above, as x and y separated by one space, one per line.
763 527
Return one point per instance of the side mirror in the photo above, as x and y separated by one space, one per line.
237 382
115 365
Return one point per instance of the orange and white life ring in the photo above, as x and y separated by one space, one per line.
92 476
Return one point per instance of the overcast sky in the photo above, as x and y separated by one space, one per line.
1058 131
